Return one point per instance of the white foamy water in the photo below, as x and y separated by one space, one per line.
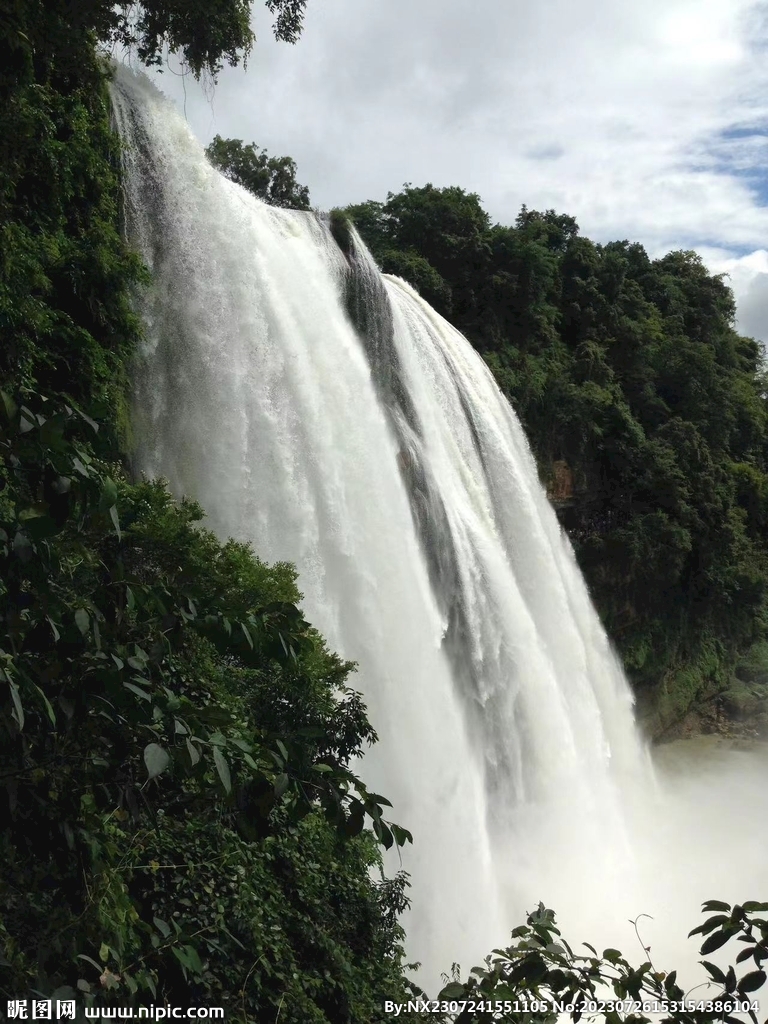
332 418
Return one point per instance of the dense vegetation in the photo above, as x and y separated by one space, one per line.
646 411
180 816
272 179
178 819
539 975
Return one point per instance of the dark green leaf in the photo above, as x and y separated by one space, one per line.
714 972
156 759
401 835
281 785
752 981
47 705
247 634
8 407
222 767
455 990
138 691
18 712
108 496
715 941
115 521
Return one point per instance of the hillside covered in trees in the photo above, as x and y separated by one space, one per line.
179 820
646 411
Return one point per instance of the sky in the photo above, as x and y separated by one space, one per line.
646 121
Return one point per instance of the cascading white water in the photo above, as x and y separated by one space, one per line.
331 417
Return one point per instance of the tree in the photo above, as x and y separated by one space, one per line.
433 237
206 32
272 179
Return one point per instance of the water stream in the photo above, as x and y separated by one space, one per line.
328 415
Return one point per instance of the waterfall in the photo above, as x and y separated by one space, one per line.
328 415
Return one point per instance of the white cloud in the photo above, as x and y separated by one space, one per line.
748 276
644 121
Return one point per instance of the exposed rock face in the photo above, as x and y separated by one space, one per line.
737 713
745 702
746 707
560 487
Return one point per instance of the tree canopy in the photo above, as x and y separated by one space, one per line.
272 179
205 33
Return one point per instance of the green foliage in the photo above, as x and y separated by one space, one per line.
179 820
65 276
169 720
289 16
431 237
207 33
272 179
629 371
446 226
540 972
421 275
